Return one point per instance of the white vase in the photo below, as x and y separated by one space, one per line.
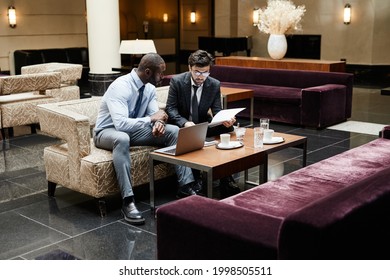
277 46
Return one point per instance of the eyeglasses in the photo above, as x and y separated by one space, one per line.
204 74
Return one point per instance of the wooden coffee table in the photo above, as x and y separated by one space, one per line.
216 163
235 94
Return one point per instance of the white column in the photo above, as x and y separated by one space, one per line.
103 35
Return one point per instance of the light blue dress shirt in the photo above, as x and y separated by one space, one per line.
118 104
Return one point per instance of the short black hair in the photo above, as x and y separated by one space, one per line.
151 61
200 58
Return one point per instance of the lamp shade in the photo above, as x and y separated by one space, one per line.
137 47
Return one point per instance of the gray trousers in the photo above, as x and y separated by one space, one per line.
119 143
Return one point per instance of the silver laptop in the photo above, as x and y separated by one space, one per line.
190 139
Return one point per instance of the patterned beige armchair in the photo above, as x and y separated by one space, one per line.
38 84
77 164
19 96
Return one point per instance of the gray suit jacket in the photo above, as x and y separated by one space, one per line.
179 99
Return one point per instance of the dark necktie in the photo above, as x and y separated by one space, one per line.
138 104
194 104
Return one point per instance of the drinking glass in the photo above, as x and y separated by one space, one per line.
240 133
264 123
258 134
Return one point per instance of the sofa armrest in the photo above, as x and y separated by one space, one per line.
323 105
29 82
63 120
70 73
385 133
202 228
352 223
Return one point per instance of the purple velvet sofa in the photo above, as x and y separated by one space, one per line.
305 98
338 208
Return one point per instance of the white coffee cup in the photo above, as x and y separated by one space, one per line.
225 139
268 134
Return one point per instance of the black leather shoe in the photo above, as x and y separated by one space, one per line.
228 187
198 186
132 215
186 190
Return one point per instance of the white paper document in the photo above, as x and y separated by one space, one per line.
224 115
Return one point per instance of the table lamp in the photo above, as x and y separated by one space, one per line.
136 47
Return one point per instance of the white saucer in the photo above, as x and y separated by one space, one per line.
274 140
232 145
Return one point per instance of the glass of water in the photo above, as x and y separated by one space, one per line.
258 134
240 133
264 123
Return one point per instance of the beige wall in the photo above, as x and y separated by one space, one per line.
42 24
58 23
365 41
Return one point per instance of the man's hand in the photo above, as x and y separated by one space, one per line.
229 123
187 124
159 116
158 128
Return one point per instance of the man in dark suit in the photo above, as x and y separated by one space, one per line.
192 95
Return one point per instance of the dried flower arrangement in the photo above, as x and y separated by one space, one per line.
280 17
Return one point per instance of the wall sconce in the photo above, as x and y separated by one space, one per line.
347 14
12 16
193 17
165 17
255 17
146 28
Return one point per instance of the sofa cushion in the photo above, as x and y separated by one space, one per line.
291 192
283 196
271 94
10 98
353 165
78 56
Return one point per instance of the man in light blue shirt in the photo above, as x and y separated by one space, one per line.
129 116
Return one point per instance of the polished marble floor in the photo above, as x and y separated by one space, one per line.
34 226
